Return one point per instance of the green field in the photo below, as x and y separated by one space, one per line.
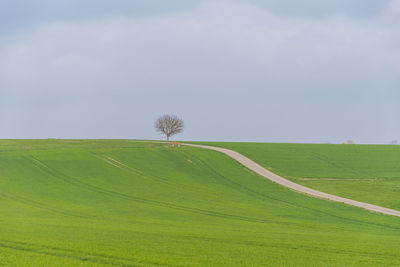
127 203
369 173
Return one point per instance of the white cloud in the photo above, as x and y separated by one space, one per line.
224 49
223 41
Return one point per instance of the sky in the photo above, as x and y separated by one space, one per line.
234 70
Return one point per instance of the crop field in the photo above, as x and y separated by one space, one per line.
369 173
128 203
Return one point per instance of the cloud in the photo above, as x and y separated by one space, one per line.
21 14
240 54
317 8
221 44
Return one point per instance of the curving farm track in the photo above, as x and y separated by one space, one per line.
248 163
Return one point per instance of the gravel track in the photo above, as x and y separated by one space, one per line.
289 184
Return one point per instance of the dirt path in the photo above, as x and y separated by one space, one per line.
289 184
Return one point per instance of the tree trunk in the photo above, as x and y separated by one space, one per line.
167 138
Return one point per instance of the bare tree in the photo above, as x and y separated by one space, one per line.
169 125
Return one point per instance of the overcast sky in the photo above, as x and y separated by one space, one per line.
235 70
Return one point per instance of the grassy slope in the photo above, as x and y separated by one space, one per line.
369 173
124 203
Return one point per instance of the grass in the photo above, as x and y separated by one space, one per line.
127 203
369 173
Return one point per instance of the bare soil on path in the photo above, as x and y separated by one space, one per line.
248 163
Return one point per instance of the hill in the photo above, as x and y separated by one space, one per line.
127 203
